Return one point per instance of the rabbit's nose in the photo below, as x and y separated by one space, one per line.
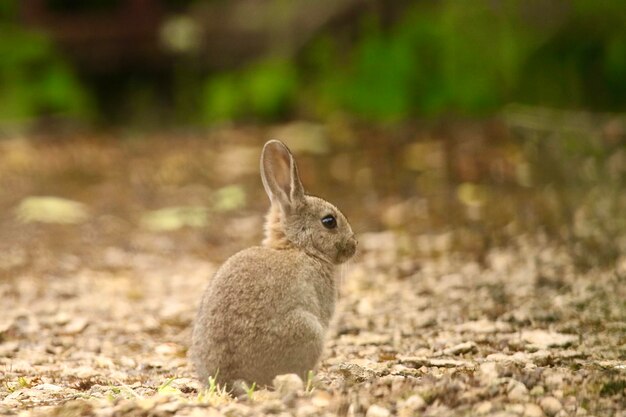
352 244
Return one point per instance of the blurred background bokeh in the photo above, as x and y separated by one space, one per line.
185 62
455 125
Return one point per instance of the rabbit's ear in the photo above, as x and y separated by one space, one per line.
280 175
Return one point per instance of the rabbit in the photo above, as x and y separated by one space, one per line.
266 310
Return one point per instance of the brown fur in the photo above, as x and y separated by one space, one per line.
274 234
267 309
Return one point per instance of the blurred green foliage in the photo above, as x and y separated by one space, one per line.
264 89
34 79
472 57
439 58
453 56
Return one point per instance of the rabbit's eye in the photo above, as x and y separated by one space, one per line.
329 221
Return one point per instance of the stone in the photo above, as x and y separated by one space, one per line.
146 403
418 362
550 405
167 349
395 382
517 391
354 373
288 384
543 339
48 387
186 384
554 380
483 327
82 372
307 410
533 410
321 399
460 348
483 408
449 363
75 326
377 411
515 408
488 372
411 405
542 357
517 357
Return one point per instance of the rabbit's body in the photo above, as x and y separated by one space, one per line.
267 309
279 316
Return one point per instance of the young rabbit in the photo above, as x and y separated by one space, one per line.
266 310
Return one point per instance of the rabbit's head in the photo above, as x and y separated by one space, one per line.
299 220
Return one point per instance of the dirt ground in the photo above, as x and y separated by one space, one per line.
97 301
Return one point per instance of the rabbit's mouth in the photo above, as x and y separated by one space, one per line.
337 253
346 251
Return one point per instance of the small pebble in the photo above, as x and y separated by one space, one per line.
377 411
517 391
483 408
288 383
488 372
515 408
48 387
306 410
533 410
415 402
460 348
321 399
411 405
554 380
550 405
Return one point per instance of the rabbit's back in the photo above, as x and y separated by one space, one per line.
264 313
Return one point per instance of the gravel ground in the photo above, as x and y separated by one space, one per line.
523 334
95 314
